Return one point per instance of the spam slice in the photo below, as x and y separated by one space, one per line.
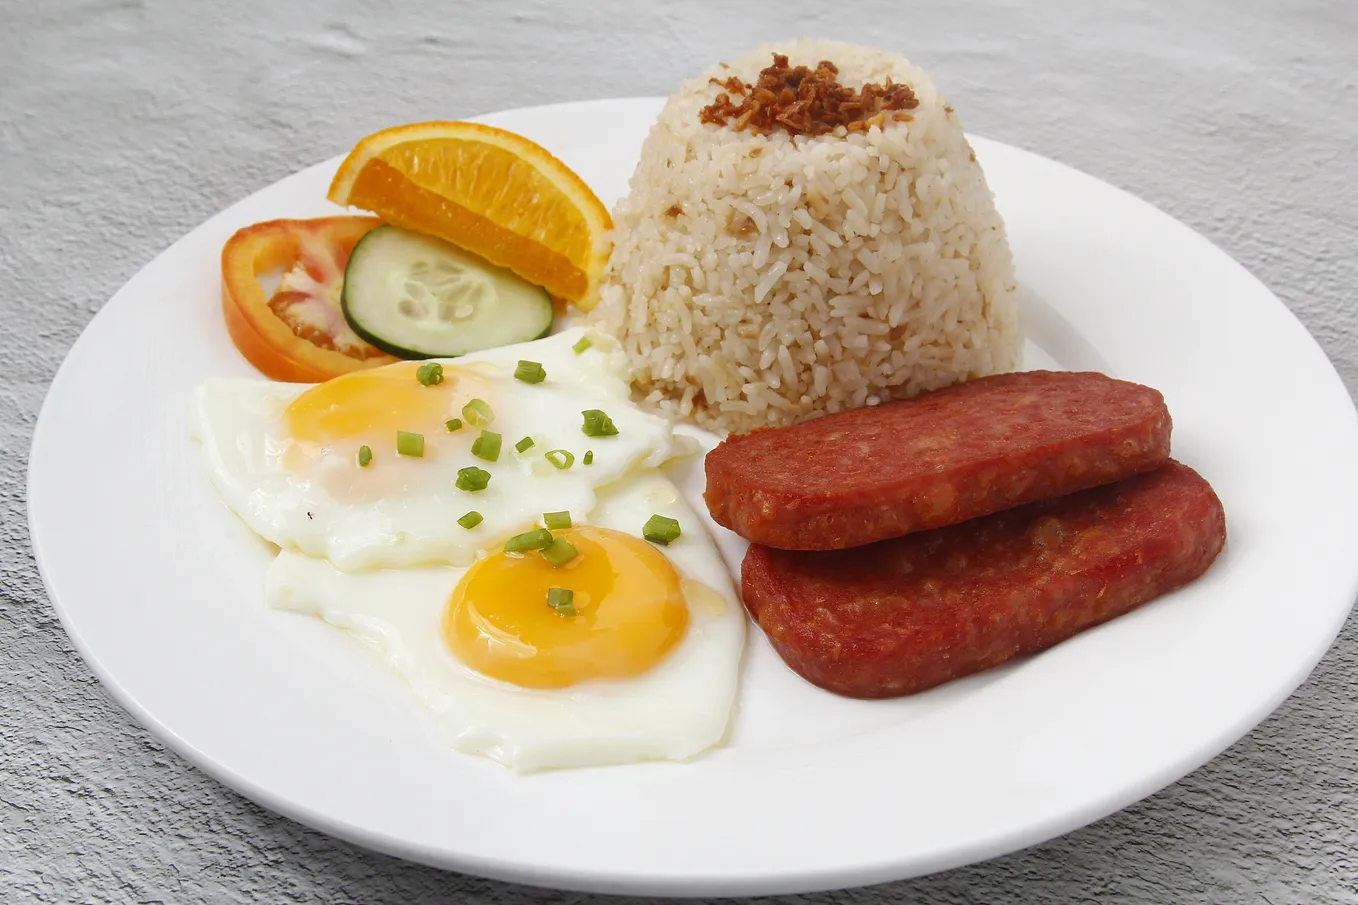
987 445
904 615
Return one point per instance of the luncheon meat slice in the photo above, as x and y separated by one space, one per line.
983 446
903 615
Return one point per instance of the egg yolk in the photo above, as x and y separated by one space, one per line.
374 405
629 612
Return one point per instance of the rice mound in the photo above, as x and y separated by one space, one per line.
760 279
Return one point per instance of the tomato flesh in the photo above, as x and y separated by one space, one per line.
299 334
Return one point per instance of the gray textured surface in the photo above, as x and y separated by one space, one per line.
123 124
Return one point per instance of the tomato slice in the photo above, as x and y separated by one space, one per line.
299 334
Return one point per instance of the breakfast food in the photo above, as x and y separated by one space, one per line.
645 668
497 527
299 333
837 249
943 457
904 615
809 257
489 191
495 226
504 433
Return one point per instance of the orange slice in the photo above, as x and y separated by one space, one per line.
492 192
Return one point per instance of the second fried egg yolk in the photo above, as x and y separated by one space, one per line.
629 612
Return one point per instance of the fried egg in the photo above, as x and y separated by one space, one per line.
645 668
321 469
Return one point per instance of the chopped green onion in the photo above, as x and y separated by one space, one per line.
478 413
470 520
365 455
562 600
430 374
410 444
660 529
454 424
582 345
537 539
557 521
472 479
589 457
530 372
487 446
559 552
524 445
561 458
598 424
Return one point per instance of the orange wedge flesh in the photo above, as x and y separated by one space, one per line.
489 191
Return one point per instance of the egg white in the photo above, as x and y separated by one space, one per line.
679 708
403 511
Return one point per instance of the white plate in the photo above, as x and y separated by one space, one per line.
160 589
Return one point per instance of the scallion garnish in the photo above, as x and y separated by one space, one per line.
530 372
478 413
557 521
559 552
561 458
430 374
470 520
660 529
598 424
589 457
537 539
487 446
562 600
472 479
410 444
582 344
453 424
524 445
365 455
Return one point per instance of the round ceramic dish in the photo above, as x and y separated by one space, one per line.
160 589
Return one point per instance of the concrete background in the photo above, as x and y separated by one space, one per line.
124 123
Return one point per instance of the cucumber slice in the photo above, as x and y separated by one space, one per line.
414 296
